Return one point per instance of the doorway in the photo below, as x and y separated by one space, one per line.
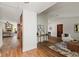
59 30
20 33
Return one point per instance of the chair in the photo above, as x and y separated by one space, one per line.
66 37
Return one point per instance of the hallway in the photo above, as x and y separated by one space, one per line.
9 43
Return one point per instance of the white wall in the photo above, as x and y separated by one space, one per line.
66 14
42 20
68 26
1 34
29 30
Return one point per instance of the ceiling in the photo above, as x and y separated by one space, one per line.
40 6
64 10
12 10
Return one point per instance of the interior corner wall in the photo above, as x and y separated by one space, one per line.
29 30
68 26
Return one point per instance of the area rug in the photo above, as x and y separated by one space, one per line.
64 51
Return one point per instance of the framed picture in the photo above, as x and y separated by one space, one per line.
76 27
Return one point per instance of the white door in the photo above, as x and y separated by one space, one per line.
1 34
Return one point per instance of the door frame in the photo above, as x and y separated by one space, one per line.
61 29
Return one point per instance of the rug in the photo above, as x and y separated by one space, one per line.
63 50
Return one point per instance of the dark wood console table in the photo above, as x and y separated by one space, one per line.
73 46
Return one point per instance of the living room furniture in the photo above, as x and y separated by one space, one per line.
7 34
41 33
8 30
66 37
8 26
73 45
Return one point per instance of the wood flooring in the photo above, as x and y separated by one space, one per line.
42 50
